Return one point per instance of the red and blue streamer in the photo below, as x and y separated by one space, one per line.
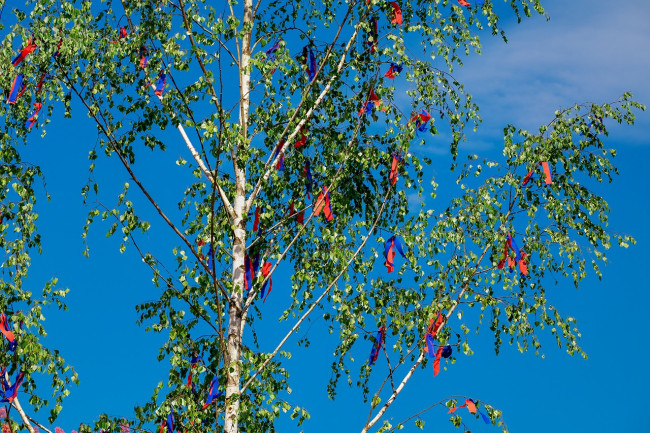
471 407
160 83
17 89
32 119
9 393
5 329
270 53
280 164
371 103
144 59
22 55
520 257
421 120
213 393
323 205
122 34
266 270
376 346
300 216
309 62
394 69
390 246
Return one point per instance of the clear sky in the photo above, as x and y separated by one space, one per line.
588 51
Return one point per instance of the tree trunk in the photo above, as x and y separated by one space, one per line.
235 325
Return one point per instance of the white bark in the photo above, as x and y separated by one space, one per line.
236 312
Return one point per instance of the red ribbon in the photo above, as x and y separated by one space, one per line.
547 173
122 35
394 170
40 82
397 14
436 362
323 204
471 407
4 328
300 216
464 3
303 138
256 223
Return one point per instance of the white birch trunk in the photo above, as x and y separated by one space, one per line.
235 324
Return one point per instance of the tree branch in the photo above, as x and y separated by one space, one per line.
320 298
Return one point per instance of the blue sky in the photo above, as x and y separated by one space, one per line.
588 51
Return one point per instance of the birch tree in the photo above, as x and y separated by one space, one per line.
299 125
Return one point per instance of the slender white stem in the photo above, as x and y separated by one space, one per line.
199 161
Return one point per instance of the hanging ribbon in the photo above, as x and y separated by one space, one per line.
421 120
436 362
394 69
9 393
32 119
169 423
547 173
266 269
270 53
210 254
397 14
212 393
256 222
376 346
199 247
430 336
280 164
122 34
464 3
300 216
193 362
17 89
309 60
24 53
160 84
442 352
323 204
39 86
5 329
58 49
143 57
515 248
307 173
390 246
394 170
303 138
520 257
486 419
433 328
250 269
471 407
372 103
